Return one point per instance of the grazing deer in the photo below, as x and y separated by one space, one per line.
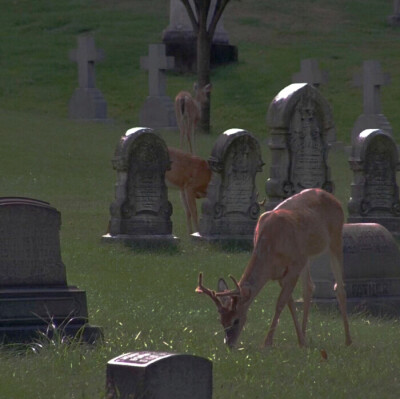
188 111
191 175
285 238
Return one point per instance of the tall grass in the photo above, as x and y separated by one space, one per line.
145 299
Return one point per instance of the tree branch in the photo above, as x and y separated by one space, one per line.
219 9
191 15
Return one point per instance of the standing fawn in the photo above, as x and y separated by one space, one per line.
285 238
191 175
188 112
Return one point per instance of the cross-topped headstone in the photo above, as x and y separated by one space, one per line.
157 63
87 102
86 55
371 79
158 110
310 73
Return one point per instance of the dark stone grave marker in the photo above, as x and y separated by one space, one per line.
230 210
374 192
33 284
140 213
300 121
159 375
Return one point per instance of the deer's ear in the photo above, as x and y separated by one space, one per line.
222 286
208 87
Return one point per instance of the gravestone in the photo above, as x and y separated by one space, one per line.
33 284
230 210
310 73
180 39
371 262
371 80
394 19
87 102
141 212
158 110
374 191
300 122
159 375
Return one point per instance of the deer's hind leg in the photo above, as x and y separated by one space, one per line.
308 289
336 259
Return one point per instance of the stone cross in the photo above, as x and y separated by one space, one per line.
310 73
371 80
85 56
157 63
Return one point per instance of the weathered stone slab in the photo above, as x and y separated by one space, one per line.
374 191
158 110
159 375
87 102
230 210
141 211
371 261
300 122
33 285
394 19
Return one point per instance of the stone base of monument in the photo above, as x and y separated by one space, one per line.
27 312
88 105
394 20
142 241
371 262
243 241
158 113
185 54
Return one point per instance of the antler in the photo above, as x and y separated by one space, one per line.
211 293
235 292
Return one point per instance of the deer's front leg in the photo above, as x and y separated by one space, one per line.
184 200
288 283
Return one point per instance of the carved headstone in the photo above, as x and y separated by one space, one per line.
300 122
371 261
33 283
141 212
374 191
159 375
394 19
158 110
87 102
371 80
180 39
230 210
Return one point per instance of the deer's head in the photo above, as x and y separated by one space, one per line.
231 305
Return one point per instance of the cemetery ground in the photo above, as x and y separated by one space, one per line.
145 300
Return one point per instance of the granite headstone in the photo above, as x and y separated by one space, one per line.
33 285
300 122
141 212
374 191
230 210
159 375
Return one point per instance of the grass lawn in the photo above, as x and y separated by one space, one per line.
145 300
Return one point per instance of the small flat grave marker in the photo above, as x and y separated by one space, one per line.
159 375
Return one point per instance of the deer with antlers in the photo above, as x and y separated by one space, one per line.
285 238
188 112
191 175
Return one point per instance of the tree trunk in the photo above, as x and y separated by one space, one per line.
203 72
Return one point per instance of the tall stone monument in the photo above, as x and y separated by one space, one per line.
87 102
141 212
371 80
230 210
158 110
374 191
394 19
300 121
34 294
180 39
159 375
